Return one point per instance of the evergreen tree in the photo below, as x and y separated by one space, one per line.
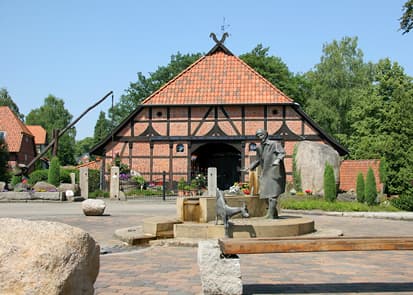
360 188
54 172
371 190
102 128
330 190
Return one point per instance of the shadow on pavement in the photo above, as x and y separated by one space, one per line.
326 288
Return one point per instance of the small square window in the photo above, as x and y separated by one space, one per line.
180 148
2 135
252 147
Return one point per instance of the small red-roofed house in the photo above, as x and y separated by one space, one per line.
40 136
19 139
207 116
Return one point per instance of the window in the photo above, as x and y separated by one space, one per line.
180 148
2 135
252 147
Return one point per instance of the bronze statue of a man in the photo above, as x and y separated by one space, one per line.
270 156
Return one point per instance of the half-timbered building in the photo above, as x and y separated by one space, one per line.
207 117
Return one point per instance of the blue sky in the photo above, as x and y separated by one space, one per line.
80 50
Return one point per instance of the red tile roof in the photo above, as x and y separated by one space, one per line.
349 170
218 78
14 129
39 133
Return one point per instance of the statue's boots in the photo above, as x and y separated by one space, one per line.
272 212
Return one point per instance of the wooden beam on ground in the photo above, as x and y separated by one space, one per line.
299 244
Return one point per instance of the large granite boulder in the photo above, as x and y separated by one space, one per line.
93 207
311 158
43 186
41 257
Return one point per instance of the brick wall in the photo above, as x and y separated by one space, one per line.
349 170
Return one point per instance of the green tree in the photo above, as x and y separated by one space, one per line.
360 188
53 115
4 158
340 79
276 71
383 125
371 191
102 127
54 172
83 146
330 190
6 100
145 86
406 21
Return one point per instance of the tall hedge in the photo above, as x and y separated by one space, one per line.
360 188
371 190
330 190
54 172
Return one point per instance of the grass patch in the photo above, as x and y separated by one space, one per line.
340 206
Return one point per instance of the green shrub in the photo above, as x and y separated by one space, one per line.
38 175
98 194
65 175
181 183
94 180
404 202
310 203
330 190
54 172
15 180
383 173
140 181
360 190
370 194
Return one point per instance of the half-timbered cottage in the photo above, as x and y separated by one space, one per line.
207 117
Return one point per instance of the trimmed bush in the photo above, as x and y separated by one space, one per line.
371 190
54 172
404 202
38 175
360 188
330 190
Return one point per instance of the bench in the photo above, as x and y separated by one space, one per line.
219 262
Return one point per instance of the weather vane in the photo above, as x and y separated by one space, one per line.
224 26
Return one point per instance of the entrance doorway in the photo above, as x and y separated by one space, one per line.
224 157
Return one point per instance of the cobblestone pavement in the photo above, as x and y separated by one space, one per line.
174 270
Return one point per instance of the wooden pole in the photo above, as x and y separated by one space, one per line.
290 245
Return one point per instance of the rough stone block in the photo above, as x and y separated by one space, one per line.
218 275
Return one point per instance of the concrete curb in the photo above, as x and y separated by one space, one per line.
408 216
